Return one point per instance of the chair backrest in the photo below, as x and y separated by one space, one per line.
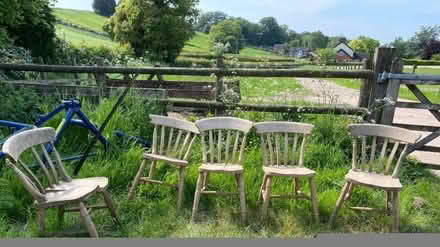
173 137
379 145
223 139
283 143
35 142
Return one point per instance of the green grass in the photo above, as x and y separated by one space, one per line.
78 37
152 214
83 18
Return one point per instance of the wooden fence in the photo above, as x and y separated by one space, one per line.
370 89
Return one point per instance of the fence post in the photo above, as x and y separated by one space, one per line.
392 93
364 95
100 78
43 75
75 75
219 85
382 61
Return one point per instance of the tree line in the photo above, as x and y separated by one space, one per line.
159 29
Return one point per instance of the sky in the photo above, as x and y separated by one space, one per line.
383 20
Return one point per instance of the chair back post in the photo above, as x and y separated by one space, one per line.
23 141
374 158
223 139
173 137
277 144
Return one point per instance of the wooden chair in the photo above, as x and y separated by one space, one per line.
372 168
172 142
223 142
62 190
283 156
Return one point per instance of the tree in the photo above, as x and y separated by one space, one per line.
422 38
336 40
271 32
224 32
326 55
156 28
364 44
29 24
315 40
209 19
104 7
402 47
249 31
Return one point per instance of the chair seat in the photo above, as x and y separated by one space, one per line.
221 167
374 180
102 182
71 194
158 157
288 171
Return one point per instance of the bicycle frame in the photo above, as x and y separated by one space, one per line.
72 108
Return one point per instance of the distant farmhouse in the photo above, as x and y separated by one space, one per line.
344 53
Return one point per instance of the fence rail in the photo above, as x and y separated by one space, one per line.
365 74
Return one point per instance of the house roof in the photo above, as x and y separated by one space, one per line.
343 52
346 48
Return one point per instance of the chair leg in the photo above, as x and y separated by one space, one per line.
61 210
296 186
396 211
197 195
42 220
263 185
242 199
132 192
266 196
349 192
314 199
111 208
87 220
180 187
205 180
388 201
339 202
153 166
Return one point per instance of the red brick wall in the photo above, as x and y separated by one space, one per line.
343 58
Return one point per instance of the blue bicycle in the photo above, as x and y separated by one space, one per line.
72 108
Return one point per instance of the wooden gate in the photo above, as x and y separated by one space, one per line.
412 82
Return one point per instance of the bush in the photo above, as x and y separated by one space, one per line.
86 55
436 57
12 54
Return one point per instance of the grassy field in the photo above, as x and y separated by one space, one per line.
78 37
83 18
198 44
432 92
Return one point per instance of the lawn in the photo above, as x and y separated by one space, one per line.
83 18
78 37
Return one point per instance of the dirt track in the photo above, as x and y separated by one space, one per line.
330 93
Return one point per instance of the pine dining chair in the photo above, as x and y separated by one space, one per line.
172 142
223 143
282 148
376 164
61 189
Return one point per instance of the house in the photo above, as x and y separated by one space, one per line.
344 53
280 48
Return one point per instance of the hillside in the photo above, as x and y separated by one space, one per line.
90 20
